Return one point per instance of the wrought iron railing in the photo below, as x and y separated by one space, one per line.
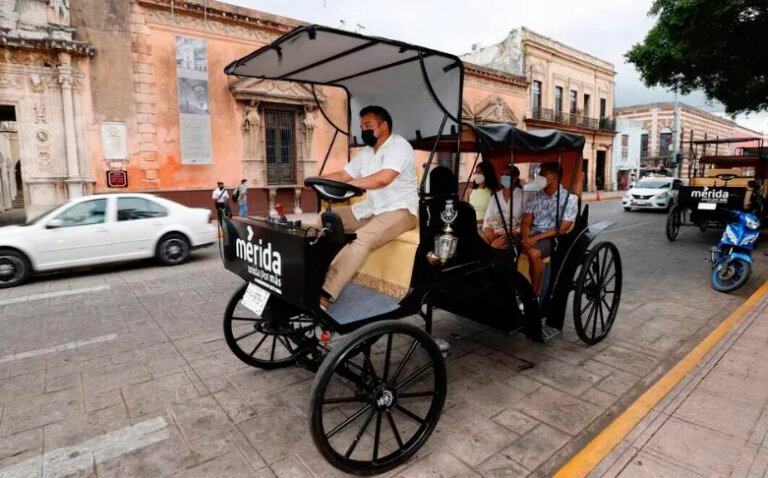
571 119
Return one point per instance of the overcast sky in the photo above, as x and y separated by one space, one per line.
604 28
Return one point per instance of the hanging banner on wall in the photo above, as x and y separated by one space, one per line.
194 117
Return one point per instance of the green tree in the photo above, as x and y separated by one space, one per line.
718 46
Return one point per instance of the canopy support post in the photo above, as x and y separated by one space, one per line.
432 153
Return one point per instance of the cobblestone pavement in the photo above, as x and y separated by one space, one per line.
124 372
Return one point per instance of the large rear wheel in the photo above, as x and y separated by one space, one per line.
598 293
377 397
277 339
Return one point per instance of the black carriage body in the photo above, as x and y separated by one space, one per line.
278 258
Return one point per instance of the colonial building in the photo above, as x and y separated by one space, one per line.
626 152
45 105
150 103
658 121
567 89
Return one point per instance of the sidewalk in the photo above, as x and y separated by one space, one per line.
604 195
714 423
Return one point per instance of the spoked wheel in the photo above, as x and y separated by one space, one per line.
598 293
377 397
674 220
276 340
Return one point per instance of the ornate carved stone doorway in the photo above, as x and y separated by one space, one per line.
278 125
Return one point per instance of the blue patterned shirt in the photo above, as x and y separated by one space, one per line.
544 209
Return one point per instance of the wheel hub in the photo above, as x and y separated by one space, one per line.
385 399
173 250
7 270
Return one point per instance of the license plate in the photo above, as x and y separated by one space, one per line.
707 206
255 299
641 203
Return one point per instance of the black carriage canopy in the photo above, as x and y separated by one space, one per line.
420 87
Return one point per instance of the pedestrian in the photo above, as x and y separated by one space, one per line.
220 197
240 196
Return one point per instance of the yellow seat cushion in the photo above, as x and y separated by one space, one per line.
710 182
388 269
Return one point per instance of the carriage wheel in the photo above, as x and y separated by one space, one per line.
377 397
598 293
674 220
276 340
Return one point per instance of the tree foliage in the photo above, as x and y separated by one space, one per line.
718 46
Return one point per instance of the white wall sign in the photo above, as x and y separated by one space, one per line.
113 142
194 118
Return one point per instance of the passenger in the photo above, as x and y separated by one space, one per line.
385 167
484 185
540 220
493 226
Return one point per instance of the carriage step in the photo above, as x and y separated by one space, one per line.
549 333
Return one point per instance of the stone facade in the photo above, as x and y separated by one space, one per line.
44 77
658 120
551 68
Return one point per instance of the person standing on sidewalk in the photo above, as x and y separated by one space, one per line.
241 196
220 197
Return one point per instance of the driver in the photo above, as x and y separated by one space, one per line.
385 167
540 220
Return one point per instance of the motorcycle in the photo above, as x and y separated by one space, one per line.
732 258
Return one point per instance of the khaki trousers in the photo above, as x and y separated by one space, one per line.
372 233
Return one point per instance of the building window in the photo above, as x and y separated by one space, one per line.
603 107
558 100
536 96
624 147
644 145
574 102
280 137
665 142
587 101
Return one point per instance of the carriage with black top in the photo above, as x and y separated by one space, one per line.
381 382
719 183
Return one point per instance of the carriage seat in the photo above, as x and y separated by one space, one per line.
710 182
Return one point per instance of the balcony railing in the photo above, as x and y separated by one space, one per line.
570 119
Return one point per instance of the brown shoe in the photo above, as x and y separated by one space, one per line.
325 301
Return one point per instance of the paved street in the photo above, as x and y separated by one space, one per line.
124 372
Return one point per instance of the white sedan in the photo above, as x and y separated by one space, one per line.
652 193
102 229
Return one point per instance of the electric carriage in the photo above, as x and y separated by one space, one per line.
381 383
719 183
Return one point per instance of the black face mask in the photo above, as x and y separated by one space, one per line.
368 137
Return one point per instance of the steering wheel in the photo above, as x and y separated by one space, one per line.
333 191
726 177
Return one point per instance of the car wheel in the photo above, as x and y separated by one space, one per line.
627 209
173 249
15 268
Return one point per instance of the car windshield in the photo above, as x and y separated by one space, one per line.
653 185
37 218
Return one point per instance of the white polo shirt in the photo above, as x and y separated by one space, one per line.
396 154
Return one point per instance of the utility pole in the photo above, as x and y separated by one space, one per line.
676 134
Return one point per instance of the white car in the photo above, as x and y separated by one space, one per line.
652 193
101 229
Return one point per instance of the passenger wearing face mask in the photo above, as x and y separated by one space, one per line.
540 223
511 194
385 167
484 185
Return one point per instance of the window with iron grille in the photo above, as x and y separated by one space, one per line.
574 105
280 137
536 100
558 100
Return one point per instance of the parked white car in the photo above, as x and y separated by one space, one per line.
101 229
652 193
